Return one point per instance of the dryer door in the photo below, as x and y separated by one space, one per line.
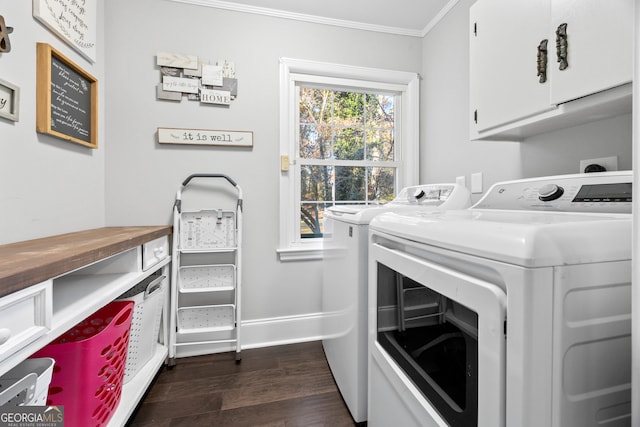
445 331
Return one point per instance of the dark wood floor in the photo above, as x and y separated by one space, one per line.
279 386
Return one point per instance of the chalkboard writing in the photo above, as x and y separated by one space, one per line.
70 101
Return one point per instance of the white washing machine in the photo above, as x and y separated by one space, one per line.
344 297
515 312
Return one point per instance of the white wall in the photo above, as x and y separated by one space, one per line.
561 151
446 151
142 176
47 185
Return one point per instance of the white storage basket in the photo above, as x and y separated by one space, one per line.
148 298
28 383
207 229
208 318
203 278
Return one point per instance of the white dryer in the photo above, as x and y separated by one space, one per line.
515 312
344 296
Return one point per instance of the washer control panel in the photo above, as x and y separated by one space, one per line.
441 195
598 192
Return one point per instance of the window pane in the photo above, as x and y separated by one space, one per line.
381 184
380 111
315 105
315 142
349 109
380 145
311 219
350 183
349 144
315 183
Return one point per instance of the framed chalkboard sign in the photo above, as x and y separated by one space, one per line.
66 98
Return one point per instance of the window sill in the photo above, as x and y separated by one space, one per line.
300 253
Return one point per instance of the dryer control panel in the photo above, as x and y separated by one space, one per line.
609 192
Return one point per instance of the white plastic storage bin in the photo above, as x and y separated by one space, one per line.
207 229
208 318
148 298
27 384
205 278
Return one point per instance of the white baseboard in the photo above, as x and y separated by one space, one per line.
266 333
281 330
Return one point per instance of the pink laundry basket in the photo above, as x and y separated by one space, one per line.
89 366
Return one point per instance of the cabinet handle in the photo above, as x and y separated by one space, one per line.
562 46
542 60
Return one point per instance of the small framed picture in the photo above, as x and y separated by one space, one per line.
66 98
9 100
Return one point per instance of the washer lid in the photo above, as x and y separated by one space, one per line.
426 196
356 214
525 238
362 215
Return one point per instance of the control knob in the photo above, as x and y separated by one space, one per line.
550 192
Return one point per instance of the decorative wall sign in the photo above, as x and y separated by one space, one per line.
165 94
72 20
210 96
196 78
205 137
177 60
180 84
66 98
9 101
211 75
228 68
5 44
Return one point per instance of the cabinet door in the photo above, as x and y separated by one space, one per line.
600 47
505 35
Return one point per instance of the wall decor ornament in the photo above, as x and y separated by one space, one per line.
9 101
5 43
74 21
66 98
205 137
198 79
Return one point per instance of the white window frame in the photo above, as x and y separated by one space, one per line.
296 71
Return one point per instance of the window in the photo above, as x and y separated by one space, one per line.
348 136
345 151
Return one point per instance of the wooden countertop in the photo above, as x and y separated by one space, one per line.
27 263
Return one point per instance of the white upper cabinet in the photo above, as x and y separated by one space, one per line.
504 39
599 47
517 85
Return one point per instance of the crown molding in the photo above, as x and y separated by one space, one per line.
443 12
238 7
